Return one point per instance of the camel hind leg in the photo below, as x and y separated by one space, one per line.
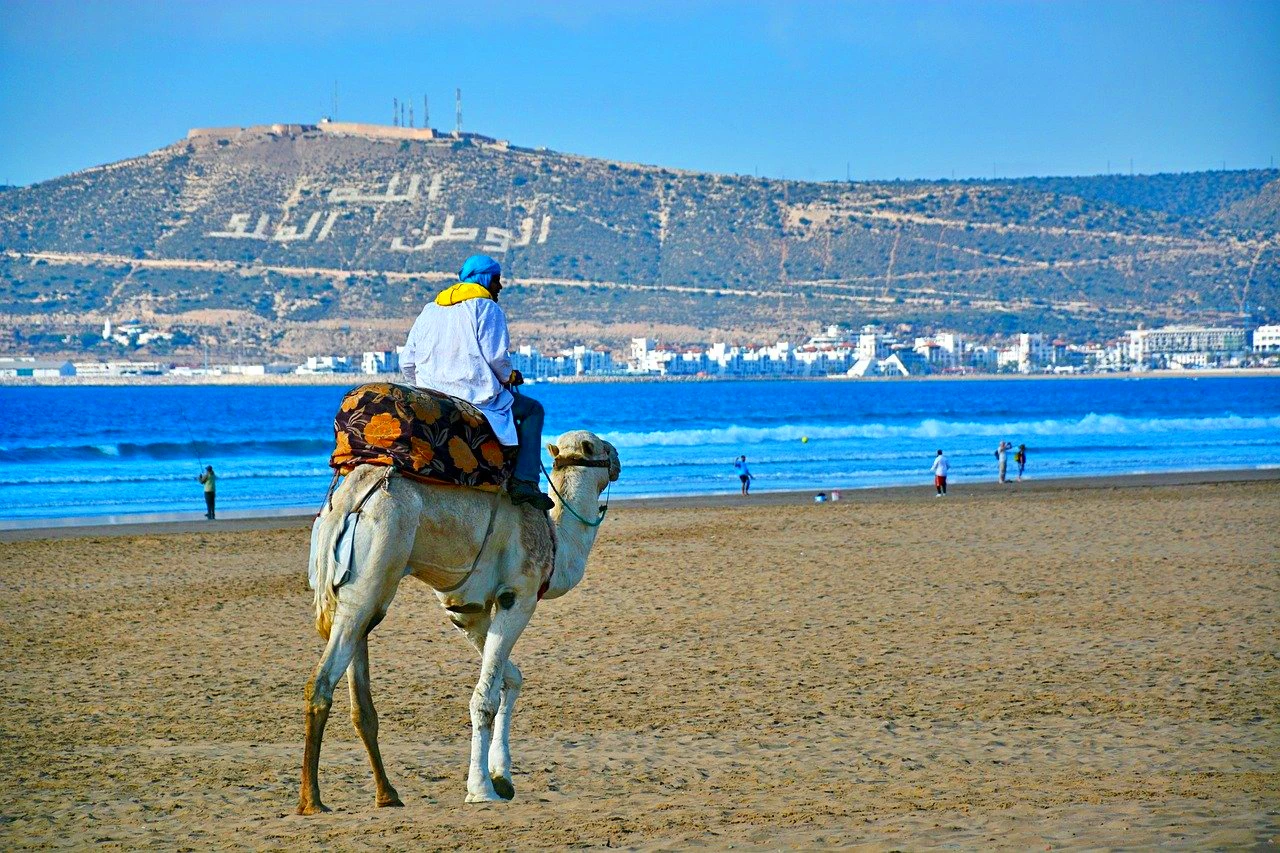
383 551
337 655
365 719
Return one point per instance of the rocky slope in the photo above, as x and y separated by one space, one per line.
293 238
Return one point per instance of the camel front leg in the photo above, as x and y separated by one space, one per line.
500 747
365 719
476 628
507 625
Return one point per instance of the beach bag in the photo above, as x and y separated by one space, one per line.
423 434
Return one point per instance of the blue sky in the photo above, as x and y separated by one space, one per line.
795 89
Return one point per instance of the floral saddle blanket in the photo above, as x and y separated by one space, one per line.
423 434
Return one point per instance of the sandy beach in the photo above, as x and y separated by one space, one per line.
1047 665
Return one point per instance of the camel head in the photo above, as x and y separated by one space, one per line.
587 452
594 464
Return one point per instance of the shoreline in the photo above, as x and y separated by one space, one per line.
353 379
152 524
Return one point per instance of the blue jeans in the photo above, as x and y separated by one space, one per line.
528 415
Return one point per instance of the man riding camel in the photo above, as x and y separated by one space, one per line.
458 346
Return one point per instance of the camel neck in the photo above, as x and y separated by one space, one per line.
573 538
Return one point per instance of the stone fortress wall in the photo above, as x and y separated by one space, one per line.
341 128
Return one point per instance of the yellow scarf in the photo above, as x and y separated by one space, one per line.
461 292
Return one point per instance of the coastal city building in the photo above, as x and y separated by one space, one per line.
1185 346
15 368
133 333
383 361
1266 339
326 364
115 368
574 361
871 351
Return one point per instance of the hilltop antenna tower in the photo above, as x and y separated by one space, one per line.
457 94
402 124
426 112
395 112
410 114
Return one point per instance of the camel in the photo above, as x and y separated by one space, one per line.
486 559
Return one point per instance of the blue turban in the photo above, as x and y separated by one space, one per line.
480 269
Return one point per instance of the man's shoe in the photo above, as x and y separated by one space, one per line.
525 492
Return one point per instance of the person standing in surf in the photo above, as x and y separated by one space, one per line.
744 474
941 465
210 481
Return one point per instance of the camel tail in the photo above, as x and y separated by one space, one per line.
332 558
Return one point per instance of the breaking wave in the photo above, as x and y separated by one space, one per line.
1091 424
165 450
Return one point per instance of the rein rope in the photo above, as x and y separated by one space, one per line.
578 462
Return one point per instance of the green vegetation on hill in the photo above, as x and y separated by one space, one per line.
601 250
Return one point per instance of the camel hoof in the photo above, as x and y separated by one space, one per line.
503 786
390 802
313 808
483 798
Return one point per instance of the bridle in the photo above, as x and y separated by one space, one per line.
578 462
562 462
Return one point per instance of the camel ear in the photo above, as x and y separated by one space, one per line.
588 449
553 449
615 465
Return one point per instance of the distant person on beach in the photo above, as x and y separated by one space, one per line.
210 481
744 474
1002 459
1021 458
940 467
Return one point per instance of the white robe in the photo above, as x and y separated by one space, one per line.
462 350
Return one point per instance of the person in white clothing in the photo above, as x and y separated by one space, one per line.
459 346
940 467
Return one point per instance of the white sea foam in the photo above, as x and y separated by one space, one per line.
1091 424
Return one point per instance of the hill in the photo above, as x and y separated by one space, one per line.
299 238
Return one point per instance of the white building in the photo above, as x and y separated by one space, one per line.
577 360
24 367
902 362
874 343
587 361
1030 352
1183 346
104 369
833 336
318 364
1266 339
132 333
383 361
641 358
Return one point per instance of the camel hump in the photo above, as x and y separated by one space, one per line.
422 433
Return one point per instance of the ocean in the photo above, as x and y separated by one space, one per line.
122 450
